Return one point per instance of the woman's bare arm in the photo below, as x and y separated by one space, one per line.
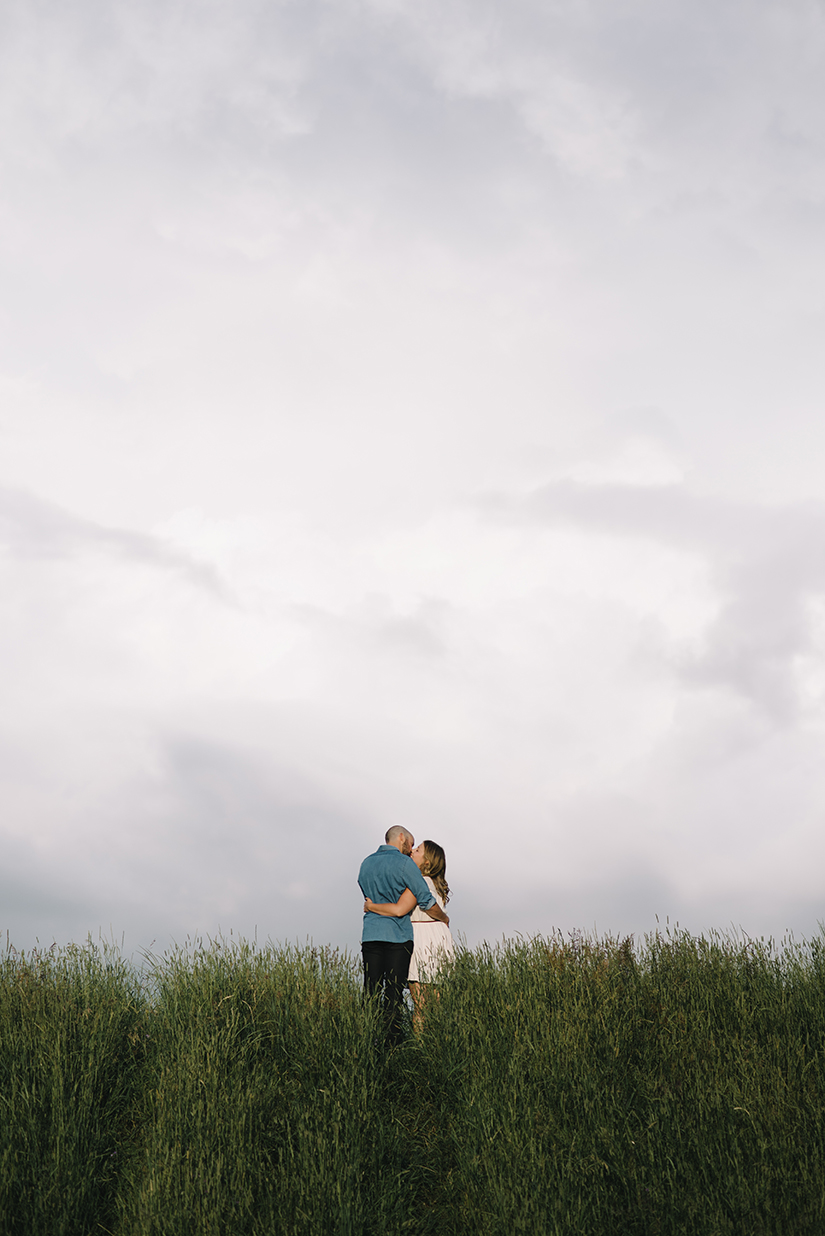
437 913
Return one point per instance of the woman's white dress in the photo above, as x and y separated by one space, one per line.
433 943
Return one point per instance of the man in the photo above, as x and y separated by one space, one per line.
387 943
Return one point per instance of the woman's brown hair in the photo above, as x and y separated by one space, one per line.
435 866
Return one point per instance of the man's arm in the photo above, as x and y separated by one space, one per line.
437 913
424 897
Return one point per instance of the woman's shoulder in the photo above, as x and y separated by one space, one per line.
431 886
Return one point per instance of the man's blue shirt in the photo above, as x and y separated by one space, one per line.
383 877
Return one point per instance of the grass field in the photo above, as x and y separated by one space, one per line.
560 1086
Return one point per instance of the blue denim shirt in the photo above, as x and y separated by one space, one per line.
383 877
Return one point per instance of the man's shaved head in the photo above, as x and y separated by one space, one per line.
400 838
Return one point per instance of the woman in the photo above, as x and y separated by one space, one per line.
433 939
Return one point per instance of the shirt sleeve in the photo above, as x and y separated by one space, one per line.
418 885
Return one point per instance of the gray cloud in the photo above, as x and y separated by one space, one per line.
294 280
36 530
767 564
212 838
637 904
441 112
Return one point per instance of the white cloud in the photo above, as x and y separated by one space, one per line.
410 412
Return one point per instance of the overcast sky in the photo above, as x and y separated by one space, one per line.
411 412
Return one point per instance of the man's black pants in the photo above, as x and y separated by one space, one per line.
386 967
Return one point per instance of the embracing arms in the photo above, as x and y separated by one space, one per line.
405 904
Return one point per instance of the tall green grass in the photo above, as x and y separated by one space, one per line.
261 1079
584 1088
69 1068
559 1086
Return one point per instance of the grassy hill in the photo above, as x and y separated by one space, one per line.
560 1086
